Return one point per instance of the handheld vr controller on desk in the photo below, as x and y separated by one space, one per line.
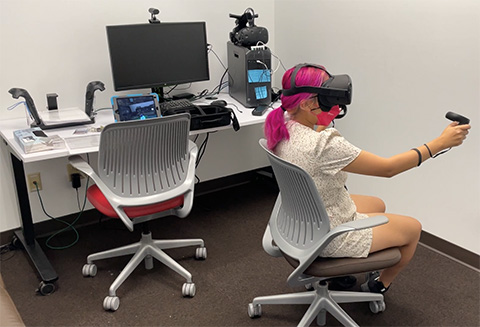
462 120
18 92
89 94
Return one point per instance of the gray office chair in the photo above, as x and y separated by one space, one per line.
146 170
298 230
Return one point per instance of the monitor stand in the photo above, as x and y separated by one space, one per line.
159 91
161 95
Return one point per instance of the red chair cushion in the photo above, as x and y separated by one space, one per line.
99 201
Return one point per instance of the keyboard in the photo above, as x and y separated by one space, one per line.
175 104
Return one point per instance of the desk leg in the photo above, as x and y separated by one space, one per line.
26 234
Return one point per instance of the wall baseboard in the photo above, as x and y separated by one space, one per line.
450 249
92 216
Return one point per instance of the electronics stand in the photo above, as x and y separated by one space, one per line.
249 74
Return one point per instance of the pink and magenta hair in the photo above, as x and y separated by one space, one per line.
275 129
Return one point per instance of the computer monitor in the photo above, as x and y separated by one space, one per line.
157 55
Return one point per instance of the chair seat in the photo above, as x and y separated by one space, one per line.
330 267
100 202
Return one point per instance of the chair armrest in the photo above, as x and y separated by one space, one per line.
267 240
192 149
268 245
79 163
349 227
359 224
189 182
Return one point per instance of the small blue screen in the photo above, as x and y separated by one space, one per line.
258 76
261 92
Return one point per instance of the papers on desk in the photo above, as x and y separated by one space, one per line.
35 140
83 141
62 116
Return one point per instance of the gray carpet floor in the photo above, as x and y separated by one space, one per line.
432 291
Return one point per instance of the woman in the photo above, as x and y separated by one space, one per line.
327 157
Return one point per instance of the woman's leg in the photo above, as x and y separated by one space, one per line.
367 204
400 231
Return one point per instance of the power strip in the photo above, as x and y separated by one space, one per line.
257 47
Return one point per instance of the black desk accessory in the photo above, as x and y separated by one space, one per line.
260 110
219 103
52 101
153 19
205 116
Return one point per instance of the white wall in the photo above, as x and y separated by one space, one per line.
411 61
59 46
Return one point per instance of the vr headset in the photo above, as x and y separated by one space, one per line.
246 33
336 90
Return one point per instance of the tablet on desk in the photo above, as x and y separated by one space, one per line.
135 107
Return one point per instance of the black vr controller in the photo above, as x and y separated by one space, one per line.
18 92
456 117
91 88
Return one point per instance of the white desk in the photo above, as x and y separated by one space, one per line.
26 234
105 117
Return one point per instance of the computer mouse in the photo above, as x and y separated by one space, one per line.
219 103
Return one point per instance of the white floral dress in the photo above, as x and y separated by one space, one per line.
323 155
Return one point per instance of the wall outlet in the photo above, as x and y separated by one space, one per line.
35 177
71 170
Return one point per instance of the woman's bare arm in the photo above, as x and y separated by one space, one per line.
370 164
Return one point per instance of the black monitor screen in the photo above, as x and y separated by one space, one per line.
156 55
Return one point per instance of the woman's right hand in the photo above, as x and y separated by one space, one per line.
453 135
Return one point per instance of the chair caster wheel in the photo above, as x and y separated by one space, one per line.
201 253
46 288
111 303
89 270
188 289
254 311
377 306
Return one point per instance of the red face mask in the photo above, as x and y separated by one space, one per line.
324 118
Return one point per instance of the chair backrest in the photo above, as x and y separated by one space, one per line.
301 221
145 157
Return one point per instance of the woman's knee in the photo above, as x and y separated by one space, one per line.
380 204
416 227
399 231
410 227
